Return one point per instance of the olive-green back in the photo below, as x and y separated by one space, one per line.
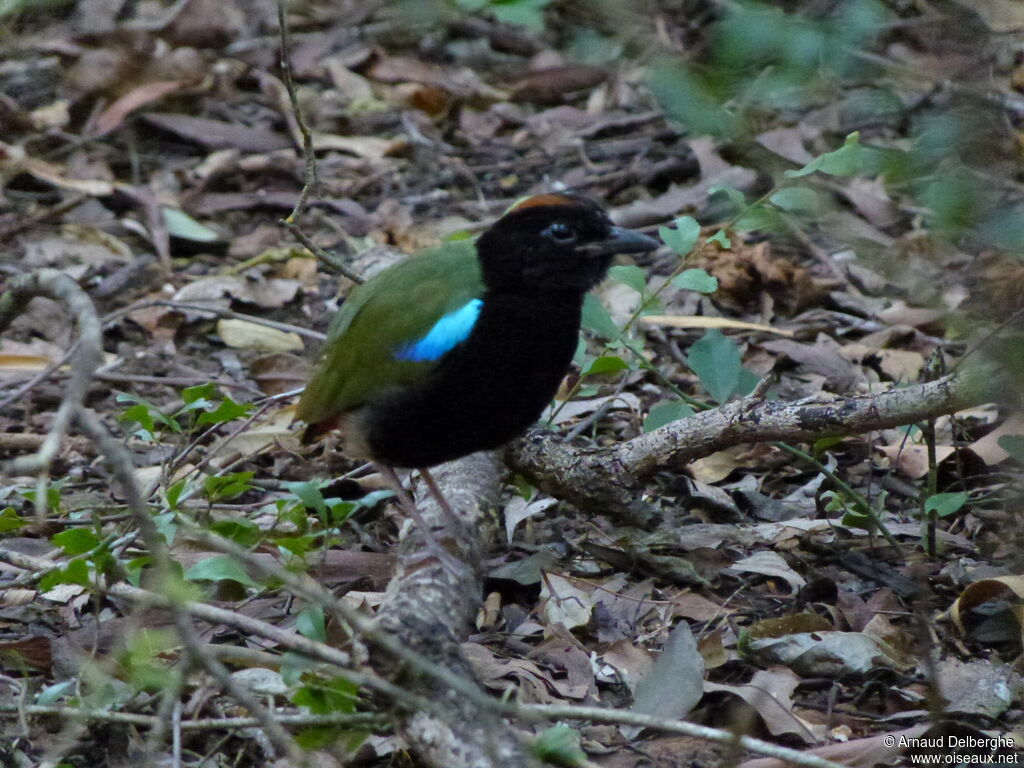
398 306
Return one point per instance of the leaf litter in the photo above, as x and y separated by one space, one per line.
413 146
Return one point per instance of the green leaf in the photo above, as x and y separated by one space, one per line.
666 412
721 238
326 696
76 541
606 364
696 280
737 198
797 199
560 745
310 623
207 391
227 410
945 504
845 161
180 224
231 486
10 521
294 666
340 511
747 382
245 533
76 572
298 546
324 736
716 361
309 494
166 525
630 275
692 98
757 217
683 237
855 519
596 318
523 13
220 568
174 493
1013 445
145 414
51 694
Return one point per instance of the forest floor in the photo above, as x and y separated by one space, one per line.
838 592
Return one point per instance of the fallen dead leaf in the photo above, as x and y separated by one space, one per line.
988 448
911 460
267 293
983 591
770 693
564 602
769 564
113 116
242 334
370 148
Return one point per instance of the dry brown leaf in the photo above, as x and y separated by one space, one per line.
534 684
859 753
33 651
770 692
769 564
270 430
911 460
217 134
693 606
242 334
716 467
268 293
988 449
565 602
553 84
744 272
14 160
279 372
113 116
370 148
983 591
631 662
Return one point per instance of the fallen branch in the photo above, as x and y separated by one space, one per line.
612 478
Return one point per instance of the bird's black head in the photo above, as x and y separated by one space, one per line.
553 243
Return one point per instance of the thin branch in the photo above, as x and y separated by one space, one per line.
548 712
612 478
56 285
355 719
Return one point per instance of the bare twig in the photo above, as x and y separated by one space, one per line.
58 286
360 719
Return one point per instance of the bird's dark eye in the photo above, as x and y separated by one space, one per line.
561 232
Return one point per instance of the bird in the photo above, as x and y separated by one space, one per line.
459 348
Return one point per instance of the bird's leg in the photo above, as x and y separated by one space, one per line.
408 504
450 517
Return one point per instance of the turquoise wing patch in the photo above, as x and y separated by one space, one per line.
447 333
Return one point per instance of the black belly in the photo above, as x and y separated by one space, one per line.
485 392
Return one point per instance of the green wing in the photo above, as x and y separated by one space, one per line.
397 306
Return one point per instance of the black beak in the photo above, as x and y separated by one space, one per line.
619 240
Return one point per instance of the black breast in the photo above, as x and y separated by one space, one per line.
486 391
